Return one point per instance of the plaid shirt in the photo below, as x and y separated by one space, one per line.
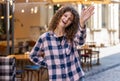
7 69
61 58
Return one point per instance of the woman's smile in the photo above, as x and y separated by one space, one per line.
66 19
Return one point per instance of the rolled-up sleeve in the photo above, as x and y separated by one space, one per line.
80 36
35 56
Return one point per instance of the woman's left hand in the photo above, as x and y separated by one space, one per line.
85 15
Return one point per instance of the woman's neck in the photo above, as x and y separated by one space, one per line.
59 32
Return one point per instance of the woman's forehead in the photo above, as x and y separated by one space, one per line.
69 13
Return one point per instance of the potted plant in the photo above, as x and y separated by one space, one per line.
1 29
1 32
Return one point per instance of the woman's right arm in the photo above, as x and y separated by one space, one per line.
37 52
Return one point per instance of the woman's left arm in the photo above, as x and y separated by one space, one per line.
81 33
85 15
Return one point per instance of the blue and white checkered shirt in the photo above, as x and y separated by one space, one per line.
61 58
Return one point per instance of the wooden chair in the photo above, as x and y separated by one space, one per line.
32 73
20 47
95 53
29 45
2 50
86 58
35 73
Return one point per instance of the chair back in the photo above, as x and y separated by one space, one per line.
86 52
7 69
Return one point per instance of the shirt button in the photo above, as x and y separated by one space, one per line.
64 75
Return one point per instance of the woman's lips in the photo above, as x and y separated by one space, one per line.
64 22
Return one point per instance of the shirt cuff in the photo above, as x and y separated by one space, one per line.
83 29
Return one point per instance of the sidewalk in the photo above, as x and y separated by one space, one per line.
112 74
109 58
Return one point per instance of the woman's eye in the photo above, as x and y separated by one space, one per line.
65 15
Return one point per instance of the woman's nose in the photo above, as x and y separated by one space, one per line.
66 19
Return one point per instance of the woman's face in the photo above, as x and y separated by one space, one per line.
66 19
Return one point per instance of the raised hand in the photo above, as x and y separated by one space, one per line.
86 14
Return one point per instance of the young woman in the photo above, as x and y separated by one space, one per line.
66 31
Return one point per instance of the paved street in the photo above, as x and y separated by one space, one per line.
112 74
109 69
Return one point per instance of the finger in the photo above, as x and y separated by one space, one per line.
83 9
90 9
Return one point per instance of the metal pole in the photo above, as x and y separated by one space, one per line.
8 26
119 25
12 24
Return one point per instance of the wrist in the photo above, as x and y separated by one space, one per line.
82 24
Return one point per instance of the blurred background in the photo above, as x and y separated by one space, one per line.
25 20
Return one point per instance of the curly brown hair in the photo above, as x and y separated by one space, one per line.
72 28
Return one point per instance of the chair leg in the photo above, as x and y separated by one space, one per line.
33 75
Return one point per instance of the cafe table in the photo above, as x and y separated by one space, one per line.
20 56
24 59
21 60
